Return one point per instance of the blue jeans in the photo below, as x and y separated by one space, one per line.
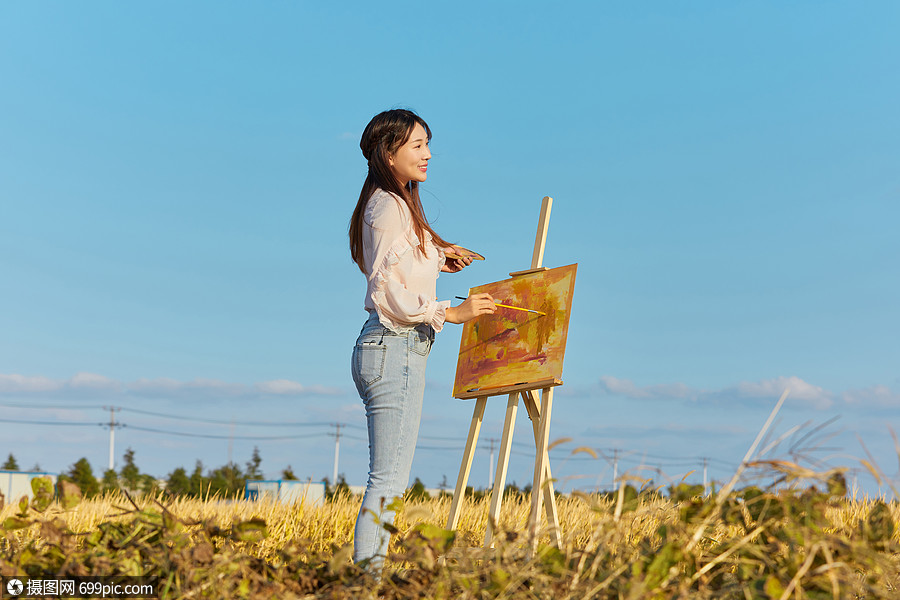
389 372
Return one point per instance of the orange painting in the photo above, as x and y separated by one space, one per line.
512 346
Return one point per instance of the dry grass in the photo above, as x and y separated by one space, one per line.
799 543
331 525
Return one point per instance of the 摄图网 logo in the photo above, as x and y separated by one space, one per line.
14 587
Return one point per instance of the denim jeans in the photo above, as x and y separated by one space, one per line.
389 372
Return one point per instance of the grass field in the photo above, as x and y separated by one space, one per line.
811 541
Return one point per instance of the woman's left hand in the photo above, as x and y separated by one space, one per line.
455 265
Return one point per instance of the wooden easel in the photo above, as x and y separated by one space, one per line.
542 486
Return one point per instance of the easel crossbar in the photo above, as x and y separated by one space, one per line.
510 389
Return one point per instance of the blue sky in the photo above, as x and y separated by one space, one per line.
176 181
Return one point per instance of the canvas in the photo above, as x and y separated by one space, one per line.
511 347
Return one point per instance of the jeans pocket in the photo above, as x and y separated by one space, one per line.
420 342
368 364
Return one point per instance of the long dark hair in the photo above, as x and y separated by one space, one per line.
382 137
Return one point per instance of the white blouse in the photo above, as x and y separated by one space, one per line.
402 280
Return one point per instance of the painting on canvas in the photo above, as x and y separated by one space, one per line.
510 346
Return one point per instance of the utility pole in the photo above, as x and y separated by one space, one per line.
112 434
705 480
615 466
231 441
337 451
491 465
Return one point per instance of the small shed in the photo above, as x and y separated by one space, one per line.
15 484
287 490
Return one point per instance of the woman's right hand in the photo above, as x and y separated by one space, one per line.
474 306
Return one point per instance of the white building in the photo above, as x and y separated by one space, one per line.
310 493
15 484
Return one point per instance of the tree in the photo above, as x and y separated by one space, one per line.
82 475
340 489
443 486
110 482
253 470
227 481
199 483
131 475
473 493
288 473
148 484
10 464
417 491
178 483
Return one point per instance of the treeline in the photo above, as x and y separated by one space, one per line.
227 481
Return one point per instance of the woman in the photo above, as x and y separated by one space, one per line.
401 256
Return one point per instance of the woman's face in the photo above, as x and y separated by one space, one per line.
410 161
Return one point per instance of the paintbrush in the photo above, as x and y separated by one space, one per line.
512 307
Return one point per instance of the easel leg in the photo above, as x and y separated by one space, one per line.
512 406
466 465
540 463
534 413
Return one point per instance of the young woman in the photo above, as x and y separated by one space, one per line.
401 256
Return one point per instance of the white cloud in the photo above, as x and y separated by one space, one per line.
160 387
692 430
92 381
14 383
880 396
20 384
773 388
163 384
215 386
767 389
326 390
281 387
627 388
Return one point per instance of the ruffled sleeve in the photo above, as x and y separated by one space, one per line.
401 280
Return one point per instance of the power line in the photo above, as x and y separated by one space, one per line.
70 406
181 417
249 423
72 423
224 437
632 457
163 431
